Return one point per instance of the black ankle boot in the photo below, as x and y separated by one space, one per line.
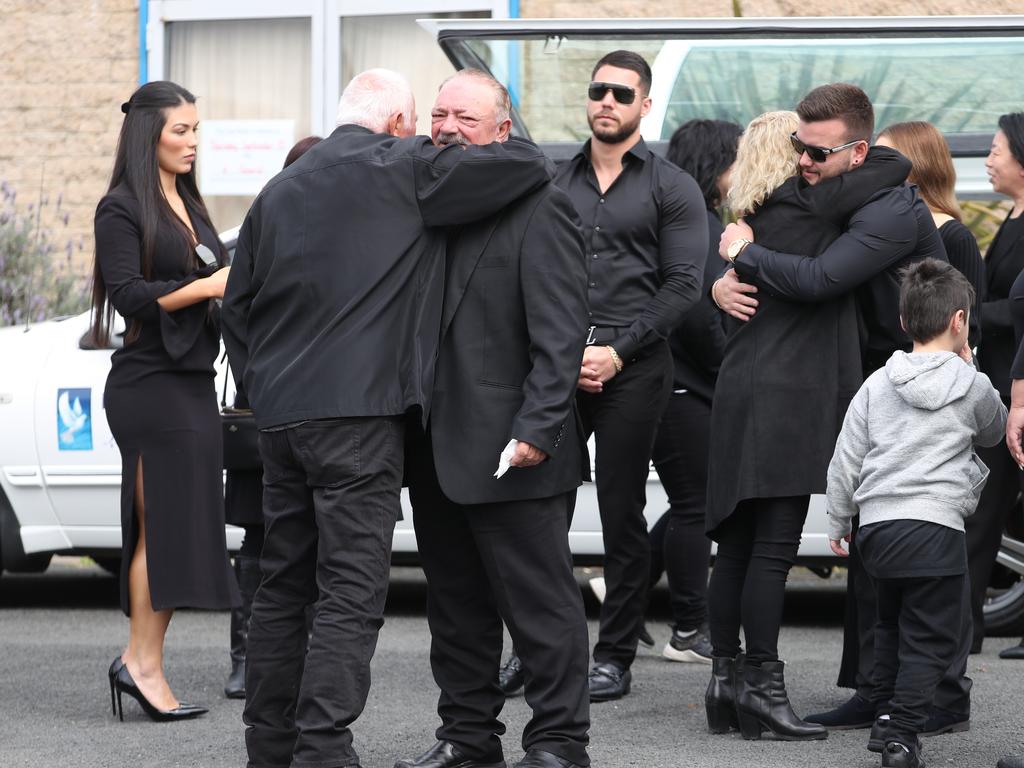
720 699
247 571
763 705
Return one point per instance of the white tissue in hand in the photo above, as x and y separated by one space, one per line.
506 457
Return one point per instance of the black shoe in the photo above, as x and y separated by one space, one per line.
693 648
123 683
720 698
942 721
247 573
879 735
115 667
536 758
511 676
1013 652
645 637
762 704
898 755
1011 761
444 754
608 681
856 712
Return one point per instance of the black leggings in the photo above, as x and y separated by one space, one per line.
757 546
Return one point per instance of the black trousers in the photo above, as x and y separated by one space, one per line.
681 458
917 639
985 527
757 546
331 499
624 420
488 563
953 692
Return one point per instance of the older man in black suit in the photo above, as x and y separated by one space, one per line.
496 548
330 319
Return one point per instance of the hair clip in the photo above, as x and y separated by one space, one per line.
126 106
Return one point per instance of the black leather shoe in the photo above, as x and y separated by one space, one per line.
720 697
1011 761
608 681
511 677
856 712
645 637
124 683
1013 652
879 735
537 758
897 755
942 721
444 754
762 704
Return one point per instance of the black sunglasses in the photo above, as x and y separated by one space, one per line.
622 93
818 154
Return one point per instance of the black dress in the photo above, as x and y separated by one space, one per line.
161 406
963 253
790 371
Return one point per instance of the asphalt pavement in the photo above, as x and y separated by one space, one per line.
60 630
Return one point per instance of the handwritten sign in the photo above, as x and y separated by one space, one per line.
237 157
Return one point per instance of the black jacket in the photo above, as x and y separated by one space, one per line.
1003 265
334 299
892 230
512 336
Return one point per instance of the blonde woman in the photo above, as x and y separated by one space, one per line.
786 379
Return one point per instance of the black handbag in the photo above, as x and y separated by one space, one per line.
241 452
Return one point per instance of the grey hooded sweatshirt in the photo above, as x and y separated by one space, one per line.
906 451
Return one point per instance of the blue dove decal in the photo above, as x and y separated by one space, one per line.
74 422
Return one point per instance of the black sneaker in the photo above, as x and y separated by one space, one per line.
942 721
511 676
855 712
898 755
694 648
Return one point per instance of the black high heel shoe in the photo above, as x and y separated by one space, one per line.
123 683
115 667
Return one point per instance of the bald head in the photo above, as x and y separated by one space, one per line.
471 108
380 100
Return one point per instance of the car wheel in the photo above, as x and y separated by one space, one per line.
1004 607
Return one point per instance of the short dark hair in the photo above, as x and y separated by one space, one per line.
627 60
705 149
842 101
931 292
1012 126
300 148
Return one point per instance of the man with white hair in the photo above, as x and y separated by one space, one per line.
331 323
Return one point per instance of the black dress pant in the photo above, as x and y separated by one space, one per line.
331 498
757 547
953 692
985 527
624 420
488 563
681 458
917 638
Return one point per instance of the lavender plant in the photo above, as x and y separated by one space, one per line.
37 277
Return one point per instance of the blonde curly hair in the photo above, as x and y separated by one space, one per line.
764 160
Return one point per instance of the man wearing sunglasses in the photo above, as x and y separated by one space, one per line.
889 232
646 234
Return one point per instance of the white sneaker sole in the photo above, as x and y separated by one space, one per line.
687 656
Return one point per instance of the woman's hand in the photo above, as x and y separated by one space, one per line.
1015 422
216 282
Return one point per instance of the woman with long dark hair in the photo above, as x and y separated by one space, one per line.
159 264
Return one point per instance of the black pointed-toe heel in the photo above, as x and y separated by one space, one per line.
123 683
115 667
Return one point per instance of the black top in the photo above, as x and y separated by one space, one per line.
964 254
1003 263
892 230
645 238
910 549
334 301
699 342
1017 312
184 341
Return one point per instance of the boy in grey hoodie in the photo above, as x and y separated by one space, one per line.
905 462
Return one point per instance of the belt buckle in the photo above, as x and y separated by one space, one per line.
590 335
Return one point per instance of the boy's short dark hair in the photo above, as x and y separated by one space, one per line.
627 60
931 292
840 101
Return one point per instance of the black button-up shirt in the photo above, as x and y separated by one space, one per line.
646 238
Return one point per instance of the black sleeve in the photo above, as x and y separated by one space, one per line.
553 279
238 296
459 185
701 335
1017 369
879 235
838 198
682 245
964 254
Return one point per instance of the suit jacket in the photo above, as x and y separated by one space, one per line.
334 299
512 335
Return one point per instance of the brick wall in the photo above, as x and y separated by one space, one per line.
65 67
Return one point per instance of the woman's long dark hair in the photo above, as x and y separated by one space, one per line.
705 149
137 168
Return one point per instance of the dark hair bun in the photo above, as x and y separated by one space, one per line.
126 106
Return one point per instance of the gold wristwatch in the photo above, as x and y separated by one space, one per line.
736 248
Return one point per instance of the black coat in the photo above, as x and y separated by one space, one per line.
790 372
1004 262
334 299
512 337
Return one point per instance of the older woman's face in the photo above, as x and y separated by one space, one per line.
176 150
1004 172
